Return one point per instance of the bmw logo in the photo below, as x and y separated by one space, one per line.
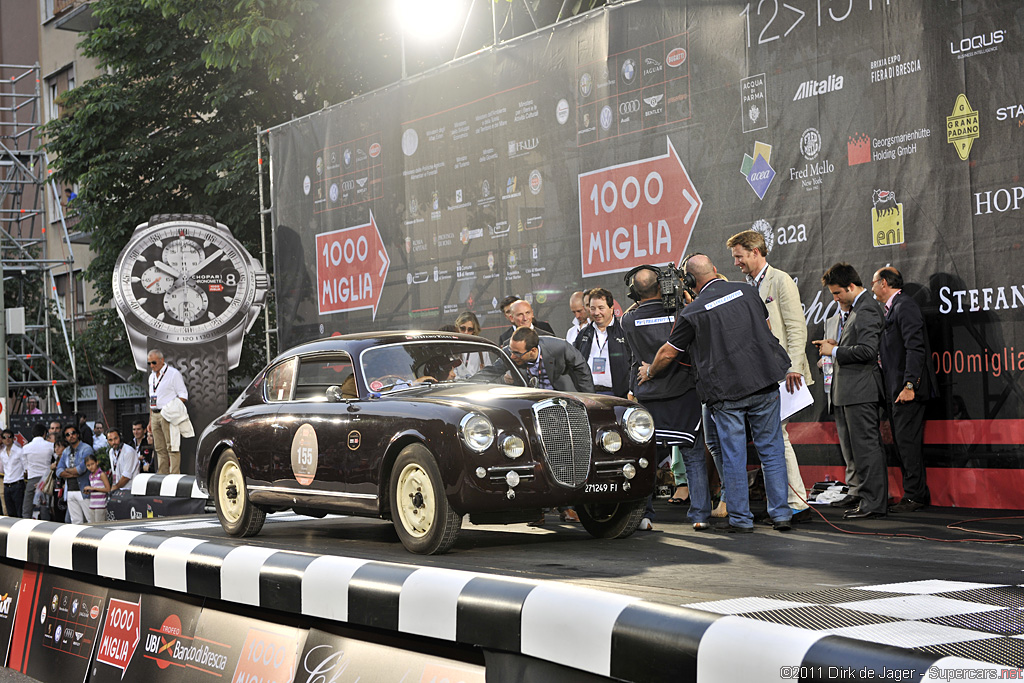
347 156
629 70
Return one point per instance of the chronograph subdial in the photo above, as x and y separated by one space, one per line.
156 281
183 254
186 303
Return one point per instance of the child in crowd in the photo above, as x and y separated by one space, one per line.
97 491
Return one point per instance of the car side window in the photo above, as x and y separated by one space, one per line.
317 373
280 380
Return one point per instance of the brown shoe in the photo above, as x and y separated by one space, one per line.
536 522
906 505
569 515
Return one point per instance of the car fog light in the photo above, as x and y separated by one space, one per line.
511 494
512 446
643 463
610 441
481 472
626 486
512 479
628 471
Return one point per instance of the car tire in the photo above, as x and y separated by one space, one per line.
611 520
236 512
425 522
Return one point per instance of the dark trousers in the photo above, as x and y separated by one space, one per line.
14 496
907 421
861 442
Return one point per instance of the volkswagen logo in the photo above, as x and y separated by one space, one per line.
629 107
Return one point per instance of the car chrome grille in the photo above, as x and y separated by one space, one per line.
565 433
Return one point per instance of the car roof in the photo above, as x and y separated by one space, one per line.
356 343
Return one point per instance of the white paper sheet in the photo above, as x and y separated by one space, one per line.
793 403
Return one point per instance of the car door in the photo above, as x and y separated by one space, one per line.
316 430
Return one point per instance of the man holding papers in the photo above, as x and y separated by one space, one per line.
786 317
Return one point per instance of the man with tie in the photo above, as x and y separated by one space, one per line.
857 388
906 375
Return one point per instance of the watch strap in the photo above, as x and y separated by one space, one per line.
160 218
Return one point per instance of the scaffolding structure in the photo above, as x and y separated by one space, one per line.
29 256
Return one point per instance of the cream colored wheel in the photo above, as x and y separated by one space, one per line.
416 508
237 514
425 523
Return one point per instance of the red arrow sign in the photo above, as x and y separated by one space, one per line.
636 213
351 266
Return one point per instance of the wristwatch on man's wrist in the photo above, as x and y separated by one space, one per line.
185 285
909 385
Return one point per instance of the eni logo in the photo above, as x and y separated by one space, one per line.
886 219
305 454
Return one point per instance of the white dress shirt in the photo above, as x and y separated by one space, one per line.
166 385
123 463
38 454
12 464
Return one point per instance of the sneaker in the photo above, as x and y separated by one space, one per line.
804 515
645 525
701 526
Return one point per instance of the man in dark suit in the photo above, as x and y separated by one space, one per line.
857 387
520 314
907 382
552 361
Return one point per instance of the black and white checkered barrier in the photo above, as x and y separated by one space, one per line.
167 485
602 633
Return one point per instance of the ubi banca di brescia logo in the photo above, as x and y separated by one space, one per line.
757 169
886 219
962 127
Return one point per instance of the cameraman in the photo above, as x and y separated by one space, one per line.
671 397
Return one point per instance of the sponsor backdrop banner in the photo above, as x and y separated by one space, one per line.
871 131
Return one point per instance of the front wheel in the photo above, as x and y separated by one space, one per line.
425 523
611 520
237 514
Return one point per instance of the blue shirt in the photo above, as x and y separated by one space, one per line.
75 457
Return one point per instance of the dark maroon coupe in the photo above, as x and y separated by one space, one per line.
423 428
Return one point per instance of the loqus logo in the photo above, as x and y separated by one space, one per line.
977 45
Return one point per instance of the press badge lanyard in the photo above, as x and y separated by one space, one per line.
600 362
156 385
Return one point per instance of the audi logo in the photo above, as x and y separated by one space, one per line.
630 107
347 185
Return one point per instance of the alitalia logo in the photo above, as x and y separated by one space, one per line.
815 88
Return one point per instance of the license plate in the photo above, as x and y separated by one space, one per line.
602 487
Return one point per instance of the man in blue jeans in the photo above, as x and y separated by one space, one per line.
739 366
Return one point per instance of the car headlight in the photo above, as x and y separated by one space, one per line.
639 425
477 432
610 440
512 446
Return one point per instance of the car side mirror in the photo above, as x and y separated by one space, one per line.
334 394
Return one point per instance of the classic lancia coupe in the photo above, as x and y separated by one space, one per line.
423 428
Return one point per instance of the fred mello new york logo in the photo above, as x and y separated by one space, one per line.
757 169
962 127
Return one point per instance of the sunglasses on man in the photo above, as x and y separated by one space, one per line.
516 354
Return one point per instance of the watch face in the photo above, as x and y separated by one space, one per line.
183 282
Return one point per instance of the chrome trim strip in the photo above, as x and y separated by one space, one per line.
307 492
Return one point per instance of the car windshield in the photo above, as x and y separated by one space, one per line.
408 365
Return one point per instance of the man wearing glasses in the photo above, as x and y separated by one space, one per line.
553 362
165 385
71 468
12 467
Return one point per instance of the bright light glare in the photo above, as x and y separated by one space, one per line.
427 19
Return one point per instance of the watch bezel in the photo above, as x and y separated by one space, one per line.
247 289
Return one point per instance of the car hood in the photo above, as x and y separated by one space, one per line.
494 396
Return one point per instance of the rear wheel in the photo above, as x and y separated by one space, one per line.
237 514
425 523
611 520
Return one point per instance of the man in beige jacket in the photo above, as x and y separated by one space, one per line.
786 316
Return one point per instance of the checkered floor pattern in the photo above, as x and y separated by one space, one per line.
980 621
